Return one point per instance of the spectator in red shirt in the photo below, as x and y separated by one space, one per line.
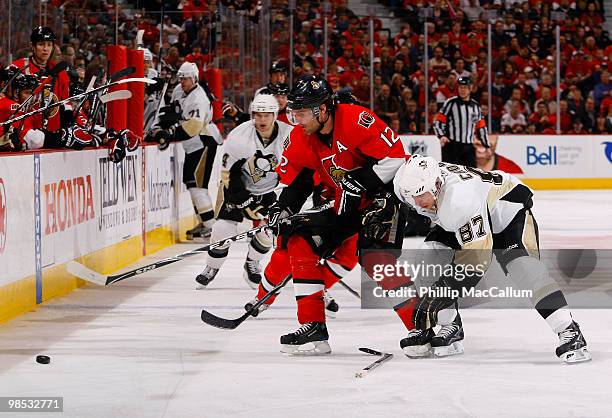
351 75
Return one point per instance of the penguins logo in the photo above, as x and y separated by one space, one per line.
336 173
259 165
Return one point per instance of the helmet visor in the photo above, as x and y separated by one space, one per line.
300 116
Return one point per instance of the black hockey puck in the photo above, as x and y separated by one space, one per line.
43 359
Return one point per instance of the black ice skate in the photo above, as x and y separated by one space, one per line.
203 279
331 307
198 232
257 311
252 273
572 345
308 340
449 340
418 343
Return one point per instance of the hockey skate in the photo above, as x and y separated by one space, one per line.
259 310
203 279
418 343
449 340
331 307
572 345
252 273
308 340
198 232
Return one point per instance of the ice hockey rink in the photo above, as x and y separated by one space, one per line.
139 349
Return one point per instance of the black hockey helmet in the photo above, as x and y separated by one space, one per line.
42 33
310 92
8 73
278 67
278 88
464 81
24 82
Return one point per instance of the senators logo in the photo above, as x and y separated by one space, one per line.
336 173
3 221
54 98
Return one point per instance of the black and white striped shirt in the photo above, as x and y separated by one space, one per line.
458 119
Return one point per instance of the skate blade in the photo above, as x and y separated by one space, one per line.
448 350
417 351
330 314
576 356
315 348
200 286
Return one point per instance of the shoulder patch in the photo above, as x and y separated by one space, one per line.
365 119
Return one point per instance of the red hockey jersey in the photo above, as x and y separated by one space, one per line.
61 90
359 137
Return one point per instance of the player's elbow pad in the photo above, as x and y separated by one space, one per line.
188 129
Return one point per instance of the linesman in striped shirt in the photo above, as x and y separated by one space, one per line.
455 125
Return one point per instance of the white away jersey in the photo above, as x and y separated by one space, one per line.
469 198
196 106
258 172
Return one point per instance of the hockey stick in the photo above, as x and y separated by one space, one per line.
223 323
115 95
78 96
349 289
384 358
122 73
85 273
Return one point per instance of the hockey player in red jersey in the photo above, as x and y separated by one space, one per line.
355 155
39 63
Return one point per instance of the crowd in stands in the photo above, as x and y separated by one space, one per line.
524 87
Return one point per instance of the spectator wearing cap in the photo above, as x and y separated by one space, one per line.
469 50
456 125
530 78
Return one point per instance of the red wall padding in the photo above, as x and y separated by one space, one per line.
117 110
135 105
213 78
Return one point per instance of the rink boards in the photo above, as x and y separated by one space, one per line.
61 206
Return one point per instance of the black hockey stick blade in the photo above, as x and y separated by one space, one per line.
122 73
59 67
218 322
371 351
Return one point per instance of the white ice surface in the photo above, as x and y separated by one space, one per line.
139 349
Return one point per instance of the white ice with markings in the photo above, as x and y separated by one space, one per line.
139 349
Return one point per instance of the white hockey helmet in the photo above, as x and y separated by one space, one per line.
187 70
265 103
148 56
419 175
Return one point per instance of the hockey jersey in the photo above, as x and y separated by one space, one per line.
196 115
473 204
359 138
61 89
258 172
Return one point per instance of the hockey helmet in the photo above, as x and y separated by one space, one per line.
419 175
309 92
464 81
188 70
264 103
8 73
24 82
41 34
278 67
148 56
278 88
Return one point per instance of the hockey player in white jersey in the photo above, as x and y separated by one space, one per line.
250 155
478 214
188 120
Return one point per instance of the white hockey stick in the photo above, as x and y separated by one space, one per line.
384 357
115 95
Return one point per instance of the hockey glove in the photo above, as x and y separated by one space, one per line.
78 138
236 194
426 312
259 206
276 214
378 217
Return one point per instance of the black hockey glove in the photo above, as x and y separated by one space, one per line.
426 312
259 206
275 216
236 194
378 218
